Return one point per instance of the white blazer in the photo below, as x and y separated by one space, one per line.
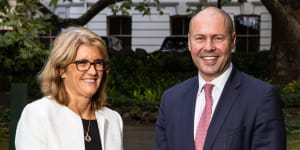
47 125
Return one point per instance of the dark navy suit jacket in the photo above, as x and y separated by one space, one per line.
248 116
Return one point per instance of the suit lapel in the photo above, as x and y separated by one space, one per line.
227 99
188 110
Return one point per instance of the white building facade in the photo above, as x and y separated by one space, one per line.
252 20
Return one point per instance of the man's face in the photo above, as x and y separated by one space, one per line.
210 44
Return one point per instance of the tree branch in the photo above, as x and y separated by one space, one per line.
83 19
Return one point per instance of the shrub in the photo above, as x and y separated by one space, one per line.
137 80
290 94
4 121
255 64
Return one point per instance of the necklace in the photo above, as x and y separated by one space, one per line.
87 137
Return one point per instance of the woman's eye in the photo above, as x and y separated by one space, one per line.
82 62
99 62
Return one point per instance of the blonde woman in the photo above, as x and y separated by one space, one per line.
72 114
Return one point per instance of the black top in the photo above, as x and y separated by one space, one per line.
95 143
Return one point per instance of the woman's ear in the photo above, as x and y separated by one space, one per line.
62 73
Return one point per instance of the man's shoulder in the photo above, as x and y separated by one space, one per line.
254 81
186 84
249 84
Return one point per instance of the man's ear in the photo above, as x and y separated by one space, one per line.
233 39
189 45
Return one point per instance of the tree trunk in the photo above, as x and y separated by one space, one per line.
285 45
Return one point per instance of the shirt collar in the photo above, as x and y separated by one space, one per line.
218 82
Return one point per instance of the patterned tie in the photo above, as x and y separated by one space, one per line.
205 118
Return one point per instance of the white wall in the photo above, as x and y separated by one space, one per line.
148 32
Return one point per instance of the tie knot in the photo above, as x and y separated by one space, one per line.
208 88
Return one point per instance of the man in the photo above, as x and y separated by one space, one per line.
245 113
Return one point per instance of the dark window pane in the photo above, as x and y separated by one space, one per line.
179 24
120 27
186 25
113 25
247 29
126 26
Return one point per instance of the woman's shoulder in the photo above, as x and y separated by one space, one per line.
109 113
36 109
42 105
42 102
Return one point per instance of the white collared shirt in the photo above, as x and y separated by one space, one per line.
219 84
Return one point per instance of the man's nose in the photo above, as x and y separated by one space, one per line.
209 45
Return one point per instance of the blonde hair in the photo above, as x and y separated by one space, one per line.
63 52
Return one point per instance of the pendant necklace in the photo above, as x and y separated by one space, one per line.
87 136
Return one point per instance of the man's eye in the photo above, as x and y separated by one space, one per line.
219 38
199 38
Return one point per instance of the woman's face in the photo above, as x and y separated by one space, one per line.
83 83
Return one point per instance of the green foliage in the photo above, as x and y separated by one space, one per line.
21 51
292 87
290 94
143 7
144 77
54 2
255 64
293 126
293 134
4 121
193 11
4 5
122 8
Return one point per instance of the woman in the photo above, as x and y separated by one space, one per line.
72 115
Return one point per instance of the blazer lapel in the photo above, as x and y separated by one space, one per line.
183 109
227 99
101 125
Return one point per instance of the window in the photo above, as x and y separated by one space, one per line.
120 27
247 30
179 24
48 38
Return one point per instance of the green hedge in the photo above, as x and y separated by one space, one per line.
137 80
142 77
138 75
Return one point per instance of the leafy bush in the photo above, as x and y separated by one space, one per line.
137 79
4 121
141 76
22 53
290 94
255 64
